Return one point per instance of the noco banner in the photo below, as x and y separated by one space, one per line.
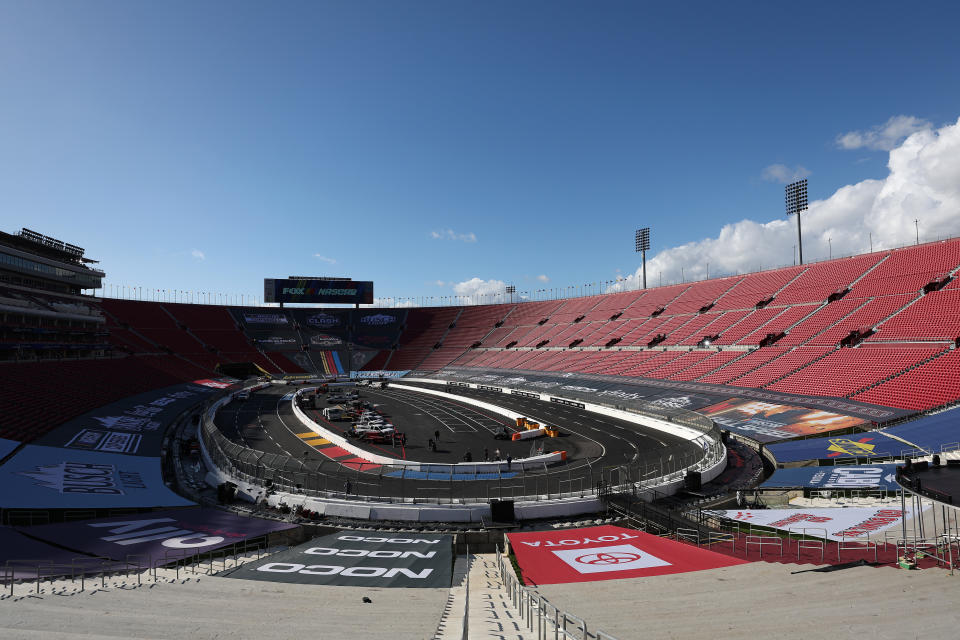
606 553
359 559
318 291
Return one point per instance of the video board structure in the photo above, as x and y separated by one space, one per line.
317 290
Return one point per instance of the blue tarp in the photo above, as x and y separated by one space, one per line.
843 477
872 444
6 446
55 478
930 432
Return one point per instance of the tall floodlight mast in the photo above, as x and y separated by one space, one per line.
643 245
796 196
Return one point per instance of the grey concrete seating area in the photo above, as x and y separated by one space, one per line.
766 600
198 606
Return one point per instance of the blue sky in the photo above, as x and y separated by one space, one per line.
205 146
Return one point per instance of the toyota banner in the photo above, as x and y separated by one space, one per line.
606 553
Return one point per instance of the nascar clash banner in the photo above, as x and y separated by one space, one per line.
360 559
158 536
606 553
837 522
55 478
134 425
867 476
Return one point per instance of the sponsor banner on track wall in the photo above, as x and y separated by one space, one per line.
134 425
838 522
767 421
360 559
605 553
158 535
635 392
54 478
867 476
265 318
378 374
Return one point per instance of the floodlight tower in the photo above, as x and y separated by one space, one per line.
643 245
796 196
511 290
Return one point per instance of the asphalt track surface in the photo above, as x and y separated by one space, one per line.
593 442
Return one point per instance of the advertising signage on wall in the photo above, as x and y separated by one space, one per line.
160 536
317 291
768 421
606 553
836 523
55 478
870 476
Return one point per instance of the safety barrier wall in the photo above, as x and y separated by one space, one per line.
414 465
383 488
642 474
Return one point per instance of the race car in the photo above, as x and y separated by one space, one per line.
366 430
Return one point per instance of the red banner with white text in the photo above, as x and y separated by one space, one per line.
606 553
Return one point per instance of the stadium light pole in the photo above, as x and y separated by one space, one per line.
642 242
511 290
796 200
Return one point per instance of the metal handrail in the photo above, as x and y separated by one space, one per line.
529 603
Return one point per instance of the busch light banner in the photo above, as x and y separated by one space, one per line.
55 478
360 559
317 291
868 476
158 535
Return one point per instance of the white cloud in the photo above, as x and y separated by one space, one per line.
783 173
477 291
450 234
543 278
199 255
325 258
883 137
923 184
441 283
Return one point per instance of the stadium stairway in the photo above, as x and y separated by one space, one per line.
489 612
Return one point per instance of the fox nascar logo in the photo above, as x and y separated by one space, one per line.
318 291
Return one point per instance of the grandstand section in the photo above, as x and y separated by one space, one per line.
665 410
43 313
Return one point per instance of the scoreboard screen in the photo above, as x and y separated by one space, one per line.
315 291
